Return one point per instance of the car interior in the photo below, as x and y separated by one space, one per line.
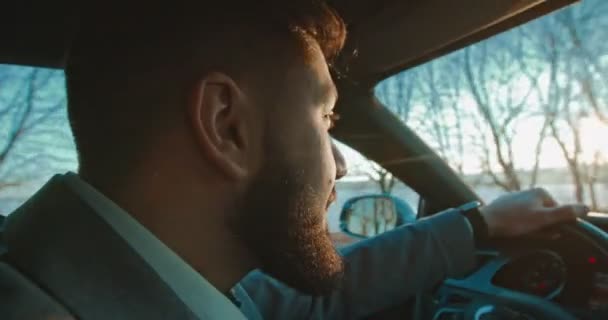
553 274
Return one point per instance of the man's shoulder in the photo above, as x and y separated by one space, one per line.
20 298
62 244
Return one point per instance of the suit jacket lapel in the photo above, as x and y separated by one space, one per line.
72 253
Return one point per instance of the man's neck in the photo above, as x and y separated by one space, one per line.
197 233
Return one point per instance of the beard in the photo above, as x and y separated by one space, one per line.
282 222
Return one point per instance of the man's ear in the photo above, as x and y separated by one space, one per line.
220 121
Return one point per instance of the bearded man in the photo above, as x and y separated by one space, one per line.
203 136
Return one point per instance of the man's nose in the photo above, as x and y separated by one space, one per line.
341 169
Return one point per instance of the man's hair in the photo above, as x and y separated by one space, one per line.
130 65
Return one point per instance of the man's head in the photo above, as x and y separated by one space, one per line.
231 104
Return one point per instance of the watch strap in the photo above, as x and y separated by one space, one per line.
480 228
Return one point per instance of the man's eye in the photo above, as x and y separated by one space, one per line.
332 117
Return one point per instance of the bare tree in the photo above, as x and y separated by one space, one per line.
592 174
537 153
398 94
383 179
440 90
586 51
380 177
24 107
572 156
561 99
582 56
551 72
492 78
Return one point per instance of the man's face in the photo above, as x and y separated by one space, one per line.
283 215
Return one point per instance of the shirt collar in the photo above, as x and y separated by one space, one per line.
192 288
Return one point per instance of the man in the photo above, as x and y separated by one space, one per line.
203 135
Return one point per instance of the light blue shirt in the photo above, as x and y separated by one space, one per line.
204 300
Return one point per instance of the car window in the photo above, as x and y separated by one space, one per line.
36 142
35 139
365 177
525 108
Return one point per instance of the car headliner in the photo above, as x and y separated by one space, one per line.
385 36
37 32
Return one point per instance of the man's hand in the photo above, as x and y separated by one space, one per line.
523 212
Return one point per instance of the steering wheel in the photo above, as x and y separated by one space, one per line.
478 297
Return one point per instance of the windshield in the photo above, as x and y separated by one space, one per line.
526 108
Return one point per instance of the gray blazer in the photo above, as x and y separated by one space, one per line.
65 262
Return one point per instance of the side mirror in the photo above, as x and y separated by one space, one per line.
370 215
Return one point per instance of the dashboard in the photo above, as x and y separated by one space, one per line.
553 266
542 273
559 267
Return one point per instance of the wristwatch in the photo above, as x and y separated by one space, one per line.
471 212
